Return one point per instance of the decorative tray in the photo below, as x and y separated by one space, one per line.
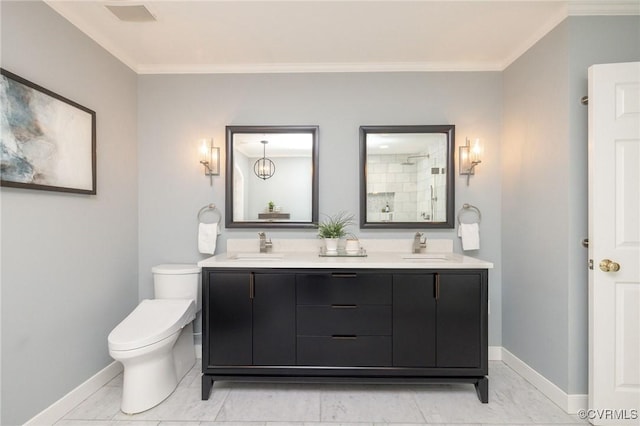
342 253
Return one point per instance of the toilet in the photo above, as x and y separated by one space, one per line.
155 343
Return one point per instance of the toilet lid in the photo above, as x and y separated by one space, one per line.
176 269
150 322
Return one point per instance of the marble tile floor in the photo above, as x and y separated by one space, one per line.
512 401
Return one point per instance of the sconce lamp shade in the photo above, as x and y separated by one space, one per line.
210 158
469 158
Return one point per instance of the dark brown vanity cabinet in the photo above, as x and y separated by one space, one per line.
385 326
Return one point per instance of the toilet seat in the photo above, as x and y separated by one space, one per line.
150 322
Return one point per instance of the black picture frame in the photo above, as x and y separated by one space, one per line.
48 142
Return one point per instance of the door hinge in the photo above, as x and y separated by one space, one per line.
591 264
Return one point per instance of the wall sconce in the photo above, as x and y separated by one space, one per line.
469 158
210 159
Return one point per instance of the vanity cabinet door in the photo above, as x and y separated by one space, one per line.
229 318
250 319
461 319
274 319
414 320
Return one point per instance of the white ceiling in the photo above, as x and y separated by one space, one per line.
238 36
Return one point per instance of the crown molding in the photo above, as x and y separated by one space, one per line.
603 8
315 68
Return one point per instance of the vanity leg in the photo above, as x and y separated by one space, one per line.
207 384
482 389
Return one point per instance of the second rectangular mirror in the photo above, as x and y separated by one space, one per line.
406 176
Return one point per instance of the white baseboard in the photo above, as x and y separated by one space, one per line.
58 409
569 403
65 404
495 353
577 402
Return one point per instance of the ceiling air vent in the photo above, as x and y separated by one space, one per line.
128 13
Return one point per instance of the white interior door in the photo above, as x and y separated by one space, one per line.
614 241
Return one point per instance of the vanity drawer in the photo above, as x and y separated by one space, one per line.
343 288
344 320
344 351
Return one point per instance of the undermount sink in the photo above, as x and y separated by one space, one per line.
257 256
425 257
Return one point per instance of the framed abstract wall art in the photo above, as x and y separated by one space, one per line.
47 142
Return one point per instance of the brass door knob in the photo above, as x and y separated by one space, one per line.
607 265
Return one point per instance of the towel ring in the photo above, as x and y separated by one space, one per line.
207 208
465 207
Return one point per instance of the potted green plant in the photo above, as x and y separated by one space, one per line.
334 228
271 205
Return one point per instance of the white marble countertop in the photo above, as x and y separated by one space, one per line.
381 254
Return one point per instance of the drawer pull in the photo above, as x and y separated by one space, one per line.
344 337
344 306
343 275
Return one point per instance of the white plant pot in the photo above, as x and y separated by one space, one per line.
352 246
331 245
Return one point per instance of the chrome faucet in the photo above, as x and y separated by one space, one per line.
265 246
419 242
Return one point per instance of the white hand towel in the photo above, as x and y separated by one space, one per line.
207 235
470 234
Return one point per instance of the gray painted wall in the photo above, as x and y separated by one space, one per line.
175 111
69 262
535 207
545 188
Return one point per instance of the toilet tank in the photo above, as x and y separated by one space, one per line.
177 281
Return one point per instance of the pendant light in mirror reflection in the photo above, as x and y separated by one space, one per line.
469 158
264 168
210 159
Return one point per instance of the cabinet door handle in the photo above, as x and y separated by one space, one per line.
344 337
437 287
344 306
252 286
343 275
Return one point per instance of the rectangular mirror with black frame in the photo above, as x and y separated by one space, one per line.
271 177
406 176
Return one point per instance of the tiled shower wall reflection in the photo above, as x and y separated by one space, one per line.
413 188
